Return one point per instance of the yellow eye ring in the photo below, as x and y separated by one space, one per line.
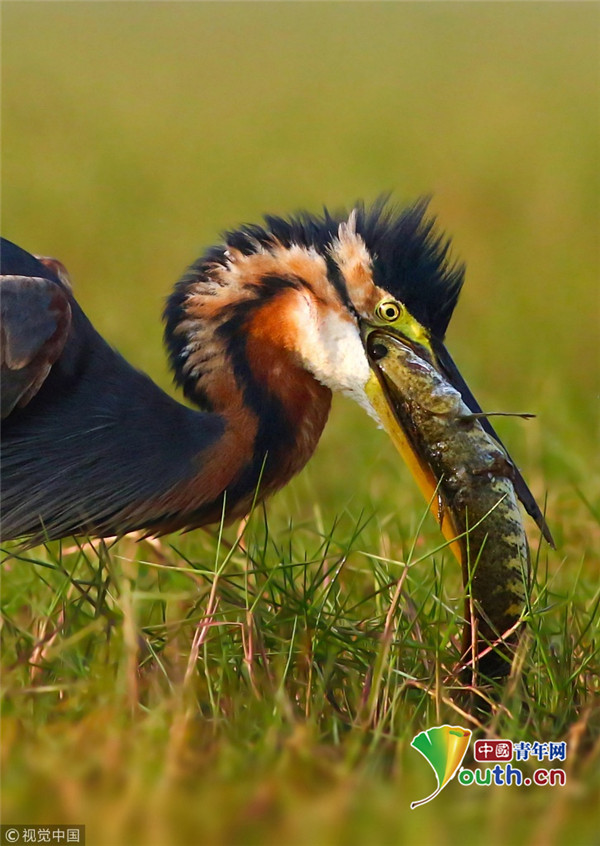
388 311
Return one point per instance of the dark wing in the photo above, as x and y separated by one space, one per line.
97 445
35 318
521 488
57 269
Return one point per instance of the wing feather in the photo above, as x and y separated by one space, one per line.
35 318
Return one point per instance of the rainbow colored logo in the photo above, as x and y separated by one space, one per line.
444 748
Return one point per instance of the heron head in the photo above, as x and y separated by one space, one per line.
305 290
300 296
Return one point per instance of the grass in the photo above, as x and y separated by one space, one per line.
202 690
211 702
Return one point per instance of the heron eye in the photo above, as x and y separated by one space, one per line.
388 311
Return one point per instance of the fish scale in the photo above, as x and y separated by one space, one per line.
474 479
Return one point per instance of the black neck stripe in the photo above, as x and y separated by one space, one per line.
336 277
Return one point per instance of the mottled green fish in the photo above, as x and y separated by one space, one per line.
475 503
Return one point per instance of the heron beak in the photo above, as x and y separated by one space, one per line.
381 393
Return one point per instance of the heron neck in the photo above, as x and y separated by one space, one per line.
272 427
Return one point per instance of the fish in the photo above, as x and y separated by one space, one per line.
473 477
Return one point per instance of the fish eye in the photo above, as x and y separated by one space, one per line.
388 310
378 351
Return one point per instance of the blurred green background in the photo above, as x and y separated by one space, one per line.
133 133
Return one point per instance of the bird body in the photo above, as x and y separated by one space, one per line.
81 452
259 332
